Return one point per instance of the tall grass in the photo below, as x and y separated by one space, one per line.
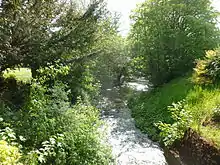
151 107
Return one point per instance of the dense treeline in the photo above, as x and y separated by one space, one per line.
50 117
171 34
176 42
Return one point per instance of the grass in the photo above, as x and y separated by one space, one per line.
212 134
151 107
201 103
20 74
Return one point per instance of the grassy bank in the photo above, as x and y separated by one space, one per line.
151 107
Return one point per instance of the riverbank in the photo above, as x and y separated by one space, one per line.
202 103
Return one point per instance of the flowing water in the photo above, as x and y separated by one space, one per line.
129 145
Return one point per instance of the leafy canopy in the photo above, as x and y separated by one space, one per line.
171 34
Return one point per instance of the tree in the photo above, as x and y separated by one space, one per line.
112 62
171 34
35 32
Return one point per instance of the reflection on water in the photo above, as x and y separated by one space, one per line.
129 145
139 85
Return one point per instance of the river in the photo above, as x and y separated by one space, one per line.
129 145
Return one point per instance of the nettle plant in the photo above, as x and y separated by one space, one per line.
182 120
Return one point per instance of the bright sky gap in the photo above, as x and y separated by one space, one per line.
124 7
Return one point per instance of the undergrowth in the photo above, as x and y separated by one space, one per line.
201 102
151 107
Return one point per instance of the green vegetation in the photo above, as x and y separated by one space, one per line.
20 74
9 154
207 70
200 102
151 108
170 34
53 55
169 38
181 122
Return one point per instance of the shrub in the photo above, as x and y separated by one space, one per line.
9 149
10 155
51 152
57 132
89 85
151 107
19 74
83 138
182 120
48 113
80 143
207 71
40 118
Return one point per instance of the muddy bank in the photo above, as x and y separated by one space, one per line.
193 150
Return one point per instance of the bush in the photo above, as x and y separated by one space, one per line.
151 107
51 152
19 74
10 155
182 120
80 142
83 138
48 113
82 82
57 132
40 118
9 148
207 71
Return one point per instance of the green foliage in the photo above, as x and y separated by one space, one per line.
10 155
80 141
175 131
19 74
48 113
171 34
9 148
89 84
207 71
112 62
42 113
83 136
200 103
82 82
137 66
51 152
57 41
51 73
151 107
35 33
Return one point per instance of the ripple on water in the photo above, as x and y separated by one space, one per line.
129 145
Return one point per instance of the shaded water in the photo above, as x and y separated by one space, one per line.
129 145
